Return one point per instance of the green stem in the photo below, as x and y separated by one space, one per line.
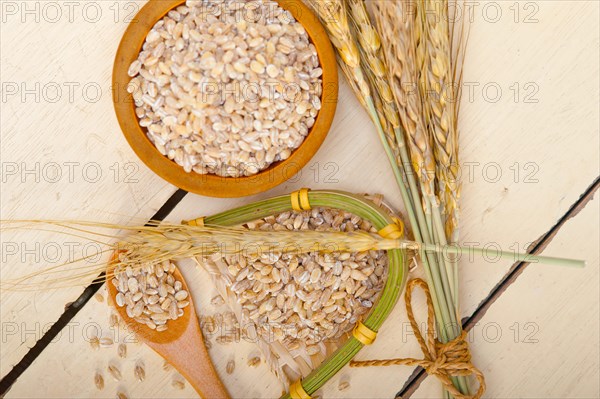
438 227
424 221
497 254
398 174
445 313
451 326
444 319
415 215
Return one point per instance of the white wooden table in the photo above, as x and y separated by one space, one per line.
529 142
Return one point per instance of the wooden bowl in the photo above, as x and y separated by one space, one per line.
213 185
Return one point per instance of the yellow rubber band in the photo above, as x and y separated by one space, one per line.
304 203
364 334
295 201
392 231
297 391
300 200
196 222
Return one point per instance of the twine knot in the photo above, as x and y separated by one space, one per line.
442 360
436 365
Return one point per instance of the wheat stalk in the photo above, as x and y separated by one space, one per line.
370 44
162 242
418 51
440 107
335 19
395 27
383 111
400 24
156 243
396 21
332 14
376 68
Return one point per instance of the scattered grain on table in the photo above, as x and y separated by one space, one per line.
115 372
95 343
230 366
343 385
217 300
122 351
178 382
167 366
139 371
99 381
254 361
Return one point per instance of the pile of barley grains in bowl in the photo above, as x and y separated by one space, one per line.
304 300
151 294
227 87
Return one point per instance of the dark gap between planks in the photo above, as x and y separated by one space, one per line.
73 308
419 374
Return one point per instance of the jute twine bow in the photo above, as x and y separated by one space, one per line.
443 361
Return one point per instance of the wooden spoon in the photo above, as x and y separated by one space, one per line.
182 345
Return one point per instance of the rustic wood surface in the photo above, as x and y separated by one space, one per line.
545 327
541 135
62 153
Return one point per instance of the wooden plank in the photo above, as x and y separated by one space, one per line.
541 337
63 154
502 211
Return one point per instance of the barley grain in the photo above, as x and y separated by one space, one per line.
178 383
167 366
224 339
254 361
230 366
122 351
114 372
217 300
95 343
139 371
99 381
